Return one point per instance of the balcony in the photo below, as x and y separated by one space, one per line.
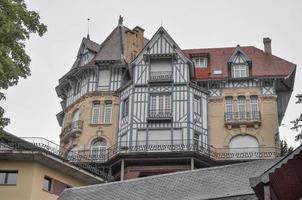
72 129
242 118
160 115
161 76
176 146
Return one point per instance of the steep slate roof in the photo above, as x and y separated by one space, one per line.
224 182
90 45
263 64
112 48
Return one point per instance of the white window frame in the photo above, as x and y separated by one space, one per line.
107 113
197 104
99 151
160 103
241 107
254 107
95 112
200 62
229 107
125 111
240 68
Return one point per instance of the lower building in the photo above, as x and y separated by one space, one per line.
31 173
271 179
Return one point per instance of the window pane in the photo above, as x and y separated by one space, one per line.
47 184
2 177
12 178
125 107
107 113
95 118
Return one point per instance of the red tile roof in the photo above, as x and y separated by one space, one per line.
263 64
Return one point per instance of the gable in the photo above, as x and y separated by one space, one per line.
162 45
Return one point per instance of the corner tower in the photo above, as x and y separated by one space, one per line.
90 102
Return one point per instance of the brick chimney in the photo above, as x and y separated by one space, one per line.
267 45
134 42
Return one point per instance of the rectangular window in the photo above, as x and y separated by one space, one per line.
77 87
107 113
196 139
240 71
197 105
125 107
254 108
241 108
8 177
95 113
200 62
229 108
47 184
160 105
104 79
161 69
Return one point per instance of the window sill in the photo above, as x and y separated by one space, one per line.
8 184
106 124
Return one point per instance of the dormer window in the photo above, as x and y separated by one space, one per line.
200 62
240 68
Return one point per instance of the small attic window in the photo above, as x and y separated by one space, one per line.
240 68
200 62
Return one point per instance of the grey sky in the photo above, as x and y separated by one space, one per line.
33 103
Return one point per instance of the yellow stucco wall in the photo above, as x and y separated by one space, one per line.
267 133
29 181
93 131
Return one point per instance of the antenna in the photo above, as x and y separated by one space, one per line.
161 22
88 37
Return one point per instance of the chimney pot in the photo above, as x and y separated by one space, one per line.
267 45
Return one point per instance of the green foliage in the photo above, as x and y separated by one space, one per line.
16 25
297 123
285 149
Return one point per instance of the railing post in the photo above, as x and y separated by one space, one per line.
122 169
192 163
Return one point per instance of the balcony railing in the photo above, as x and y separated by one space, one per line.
71 129
160 114
164 146
160 76
41 145
241 117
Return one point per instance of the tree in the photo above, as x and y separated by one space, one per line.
285 149
297 123
16 25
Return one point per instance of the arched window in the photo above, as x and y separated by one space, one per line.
242 144
75 119
98 148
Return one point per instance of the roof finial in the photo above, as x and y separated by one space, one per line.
88 37
120 21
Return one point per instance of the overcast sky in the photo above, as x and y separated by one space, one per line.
33 104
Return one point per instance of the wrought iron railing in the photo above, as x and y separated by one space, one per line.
164 146
160 113
87 159
42 145
76 126
254 116
161 76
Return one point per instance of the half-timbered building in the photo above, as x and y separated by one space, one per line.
136 107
